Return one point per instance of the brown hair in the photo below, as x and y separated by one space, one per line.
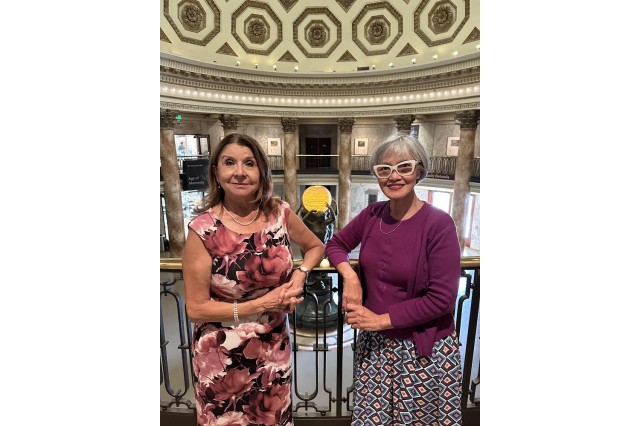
266 203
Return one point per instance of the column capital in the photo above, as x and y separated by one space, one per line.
229 122
403 122
468 119
289 124
346 124
168 118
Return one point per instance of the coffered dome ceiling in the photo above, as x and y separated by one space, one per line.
346 54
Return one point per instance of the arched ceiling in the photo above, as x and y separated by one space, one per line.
280 55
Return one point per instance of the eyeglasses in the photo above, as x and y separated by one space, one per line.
403 168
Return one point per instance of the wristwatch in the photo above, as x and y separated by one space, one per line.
304 269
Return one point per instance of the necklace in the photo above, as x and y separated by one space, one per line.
237 221
399 222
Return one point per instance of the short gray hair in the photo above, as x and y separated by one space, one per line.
401 144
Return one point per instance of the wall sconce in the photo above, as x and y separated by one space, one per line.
391 64
275 67
413 61
237 63
295 68
373 67
435 57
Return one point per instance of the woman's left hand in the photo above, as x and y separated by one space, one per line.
362 318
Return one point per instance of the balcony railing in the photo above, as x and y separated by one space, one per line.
322 345
439 167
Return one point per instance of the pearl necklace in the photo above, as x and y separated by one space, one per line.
399 222
237 221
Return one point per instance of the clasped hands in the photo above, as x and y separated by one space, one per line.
284 298
359 317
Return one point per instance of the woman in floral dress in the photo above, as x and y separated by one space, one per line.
240 284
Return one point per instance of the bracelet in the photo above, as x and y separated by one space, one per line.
235 311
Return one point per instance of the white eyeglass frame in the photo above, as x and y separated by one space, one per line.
414 163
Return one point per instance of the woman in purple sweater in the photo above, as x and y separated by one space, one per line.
407 358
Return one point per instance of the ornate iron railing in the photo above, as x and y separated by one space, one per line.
439 167
322 349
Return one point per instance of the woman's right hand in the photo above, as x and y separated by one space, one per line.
352 291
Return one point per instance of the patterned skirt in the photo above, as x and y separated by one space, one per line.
393 386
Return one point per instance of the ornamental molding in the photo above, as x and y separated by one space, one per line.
451 72
332 113
351 90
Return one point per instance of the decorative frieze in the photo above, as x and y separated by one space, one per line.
364 112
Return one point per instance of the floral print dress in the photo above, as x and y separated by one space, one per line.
243 369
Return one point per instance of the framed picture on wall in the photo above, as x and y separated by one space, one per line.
361 146
274 147
453 144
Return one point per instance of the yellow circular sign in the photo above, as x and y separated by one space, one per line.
316 198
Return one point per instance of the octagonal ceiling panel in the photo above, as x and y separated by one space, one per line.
256 28
440 22
377 28
194 21
317 32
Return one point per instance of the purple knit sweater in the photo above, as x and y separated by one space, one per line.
412 271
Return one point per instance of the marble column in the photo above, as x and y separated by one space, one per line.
229 123
289 125
403 123
172 184
464 167
344 171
